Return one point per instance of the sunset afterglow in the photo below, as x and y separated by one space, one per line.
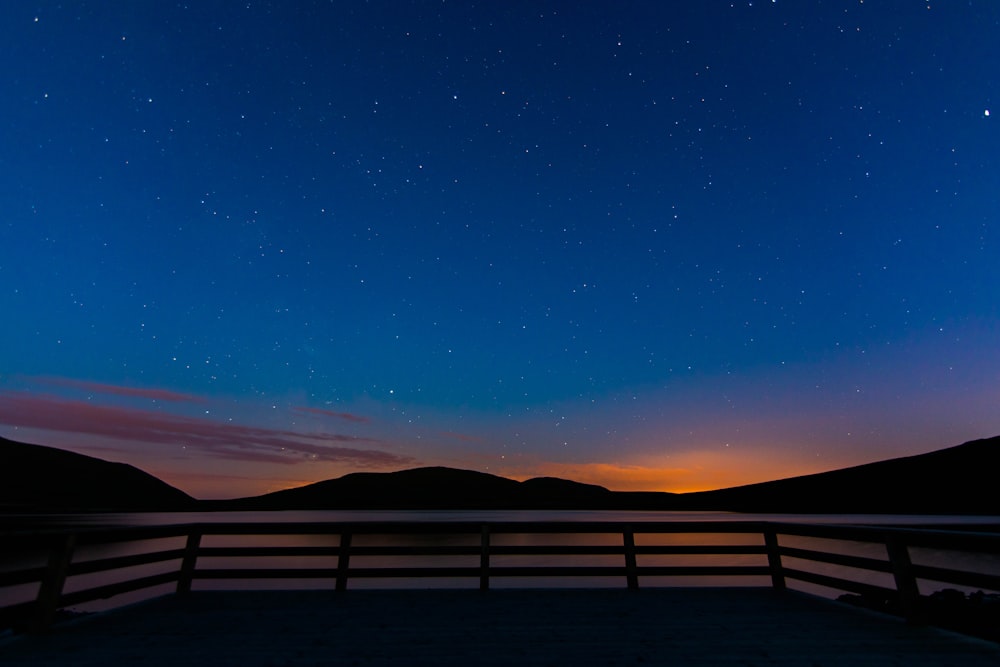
653 246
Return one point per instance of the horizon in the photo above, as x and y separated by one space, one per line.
516 479
661 247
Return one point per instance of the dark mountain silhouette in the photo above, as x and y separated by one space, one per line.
957 480
36 478
432 488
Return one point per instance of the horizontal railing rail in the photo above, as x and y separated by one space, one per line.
898 543
488 550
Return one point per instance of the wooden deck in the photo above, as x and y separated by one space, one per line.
677 626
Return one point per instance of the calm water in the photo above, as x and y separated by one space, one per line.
959 560
167 518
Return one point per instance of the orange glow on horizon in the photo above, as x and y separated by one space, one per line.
686 473
679 473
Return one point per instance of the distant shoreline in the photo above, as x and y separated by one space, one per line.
958 480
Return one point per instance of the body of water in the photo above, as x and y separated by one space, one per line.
92 520
951 559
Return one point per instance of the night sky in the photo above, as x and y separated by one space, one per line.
650 245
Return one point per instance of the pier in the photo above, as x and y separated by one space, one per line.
603 593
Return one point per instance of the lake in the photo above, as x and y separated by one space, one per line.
10 560
23 521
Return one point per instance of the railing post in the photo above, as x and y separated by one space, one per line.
50 589
188 564
906 582
631 569
484 558
774 559
343 561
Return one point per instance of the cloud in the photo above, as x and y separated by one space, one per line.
347 416
224 440
119 390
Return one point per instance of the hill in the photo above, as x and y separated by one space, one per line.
34 478
432 488
956 480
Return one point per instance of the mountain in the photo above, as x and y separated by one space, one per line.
957 480
35 478
432 488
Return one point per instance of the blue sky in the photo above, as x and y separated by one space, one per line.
656 245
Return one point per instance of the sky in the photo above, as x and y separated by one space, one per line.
666 246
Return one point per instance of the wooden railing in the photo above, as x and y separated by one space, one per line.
488 551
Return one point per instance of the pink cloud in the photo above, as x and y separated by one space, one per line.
119 390
221 439
330 413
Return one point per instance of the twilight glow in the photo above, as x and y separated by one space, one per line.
658 246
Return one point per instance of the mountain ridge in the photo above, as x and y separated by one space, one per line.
954 480
431 487
959 479
37 478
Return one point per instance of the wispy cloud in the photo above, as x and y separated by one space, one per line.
118 390
222 439
347 416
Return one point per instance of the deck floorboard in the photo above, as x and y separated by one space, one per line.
673 626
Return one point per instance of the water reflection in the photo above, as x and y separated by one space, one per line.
322 550
35 521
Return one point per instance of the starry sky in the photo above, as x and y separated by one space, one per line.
650 245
